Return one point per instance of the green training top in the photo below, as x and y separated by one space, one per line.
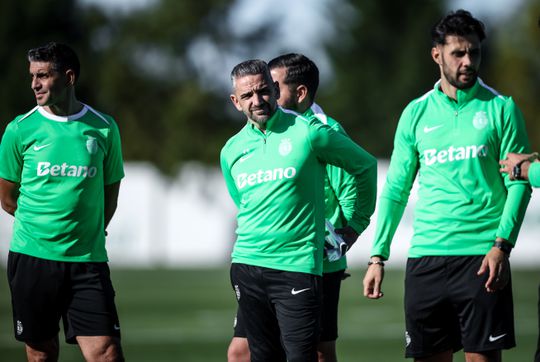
455 147
276 180
62 165
339 190
534 174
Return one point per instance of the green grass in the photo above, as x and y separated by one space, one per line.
186 315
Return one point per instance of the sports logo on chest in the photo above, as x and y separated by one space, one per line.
480 120
285 147
91 145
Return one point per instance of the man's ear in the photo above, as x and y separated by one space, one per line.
234 101
436 54
70 77
301 93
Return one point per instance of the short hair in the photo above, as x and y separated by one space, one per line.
61 56
460 23
300 70
250 67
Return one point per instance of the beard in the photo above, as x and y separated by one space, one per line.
454 79
261 115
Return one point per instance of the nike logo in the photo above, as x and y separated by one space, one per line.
37 148
244 158
431 129
116 327
294 291
493 339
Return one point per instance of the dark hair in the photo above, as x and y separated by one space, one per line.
250 67
300 70
460 23
60 55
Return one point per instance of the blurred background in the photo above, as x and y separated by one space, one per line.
161 69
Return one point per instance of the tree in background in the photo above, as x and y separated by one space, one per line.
515 69
28 24
144 68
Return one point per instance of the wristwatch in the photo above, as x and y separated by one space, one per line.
503 246
516 171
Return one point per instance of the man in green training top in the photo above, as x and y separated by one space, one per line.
298 80
274 169
457 287
525 167
60 171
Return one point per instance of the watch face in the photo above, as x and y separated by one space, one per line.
516 172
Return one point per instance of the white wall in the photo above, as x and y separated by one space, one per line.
189 221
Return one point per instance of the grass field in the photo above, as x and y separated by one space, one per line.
186 315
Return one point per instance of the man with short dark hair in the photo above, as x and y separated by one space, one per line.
274 169
60 171
457 286
298 79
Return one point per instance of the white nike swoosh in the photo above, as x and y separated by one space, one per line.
244 158
37 148
294 292
116 328
493 339
430 129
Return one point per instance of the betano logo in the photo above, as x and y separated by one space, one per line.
453 154
262 176
65 170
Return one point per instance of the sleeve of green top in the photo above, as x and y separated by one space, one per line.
343 184
339 150
514 139
344 187
113 167
11 155
229 180
534 174
399 180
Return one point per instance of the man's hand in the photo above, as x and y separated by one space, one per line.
373 280
512 159
496 263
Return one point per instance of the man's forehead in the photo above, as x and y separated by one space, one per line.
40 67
248 82
459 41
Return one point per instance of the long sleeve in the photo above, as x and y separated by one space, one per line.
534 174
514 139
339 150
399 180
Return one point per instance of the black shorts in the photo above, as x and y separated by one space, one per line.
329 312
331 286
448 307
280 312
43 291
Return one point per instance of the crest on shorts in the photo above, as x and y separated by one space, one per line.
91 145
407 338
480 120
19 328
237 291
285 147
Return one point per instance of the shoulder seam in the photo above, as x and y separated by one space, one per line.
493 91
28 114
98 114
423 98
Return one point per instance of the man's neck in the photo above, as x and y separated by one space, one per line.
66 108
448 89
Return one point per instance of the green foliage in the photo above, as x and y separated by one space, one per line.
516 65
384 64
137 67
